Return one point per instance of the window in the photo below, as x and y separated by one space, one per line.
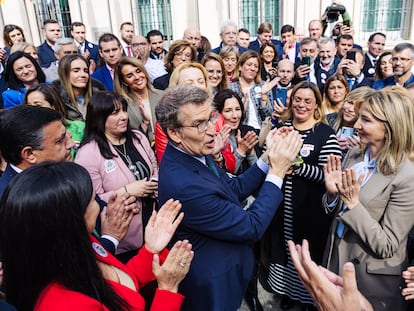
391 17
155 14
54 9
254 12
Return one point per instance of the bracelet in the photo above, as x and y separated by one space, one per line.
126 190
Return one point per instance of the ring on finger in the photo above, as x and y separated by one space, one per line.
182 264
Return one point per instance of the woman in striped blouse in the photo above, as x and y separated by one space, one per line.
301 215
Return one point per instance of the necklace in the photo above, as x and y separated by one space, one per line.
131 166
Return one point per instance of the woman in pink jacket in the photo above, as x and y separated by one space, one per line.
119 160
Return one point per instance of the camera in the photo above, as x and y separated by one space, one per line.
332 12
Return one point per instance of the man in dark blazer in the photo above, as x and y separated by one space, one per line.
215 223
31 135
376 44
52 32
264 34
110 49
228 35
85 48
352 70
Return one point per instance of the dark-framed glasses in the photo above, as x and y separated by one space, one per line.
203 125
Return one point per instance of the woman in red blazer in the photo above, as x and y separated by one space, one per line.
52 262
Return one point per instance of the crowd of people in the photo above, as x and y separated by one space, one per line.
136 177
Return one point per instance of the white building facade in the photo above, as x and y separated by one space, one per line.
171 17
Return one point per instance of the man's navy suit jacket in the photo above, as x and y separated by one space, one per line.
217 226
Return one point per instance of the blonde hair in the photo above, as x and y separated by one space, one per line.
21 46
396 112
175 77
120 86
357 97
227 51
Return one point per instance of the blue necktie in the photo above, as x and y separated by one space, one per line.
351 84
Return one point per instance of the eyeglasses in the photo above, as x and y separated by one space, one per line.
181 53
139 44
203 125
402 60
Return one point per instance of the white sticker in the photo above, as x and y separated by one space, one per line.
99 250
109 166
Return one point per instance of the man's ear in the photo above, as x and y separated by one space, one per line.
174 135
28 155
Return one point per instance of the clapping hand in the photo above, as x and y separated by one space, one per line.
333 175
408 276
349 188
162 225
221 139
328 290
117 215
247 142
175 267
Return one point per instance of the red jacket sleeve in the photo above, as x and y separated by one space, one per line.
141 265
229 159
161 141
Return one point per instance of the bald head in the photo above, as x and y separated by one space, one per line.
193 36
140 47
315 29
286 71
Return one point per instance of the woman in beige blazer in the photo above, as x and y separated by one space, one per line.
373 199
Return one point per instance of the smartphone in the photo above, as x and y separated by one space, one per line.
306 61
350 55
346 132
281 93
347 23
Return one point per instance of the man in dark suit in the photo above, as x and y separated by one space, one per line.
264 34
52 32
289 47
215 223
110 49
376 44
86 48
352 70
31 135
228 35
402 61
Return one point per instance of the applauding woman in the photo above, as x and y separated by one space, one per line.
301 209
119 160
372 199
133 82
53 262
242 138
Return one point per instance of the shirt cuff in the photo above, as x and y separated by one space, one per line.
112 239
276 180
262 165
